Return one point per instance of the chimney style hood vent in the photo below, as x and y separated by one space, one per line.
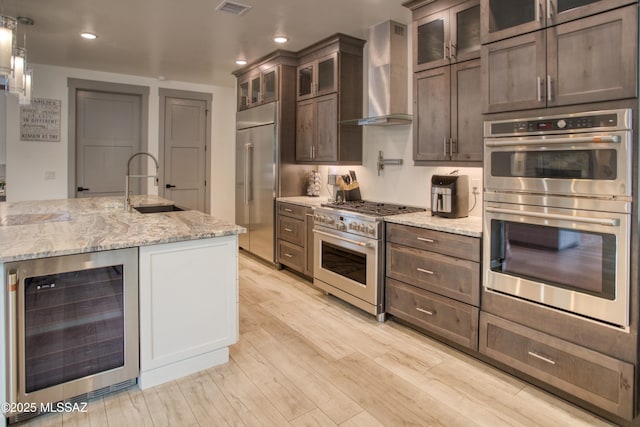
387 75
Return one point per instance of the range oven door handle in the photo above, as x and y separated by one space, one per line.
555 141
611 222
344 239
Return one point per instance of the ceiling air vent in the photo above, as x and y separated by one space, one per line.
233 7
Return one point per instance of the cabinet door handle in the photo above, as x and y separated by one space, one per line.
549 97
288 255
445 146
444 50
424 239
452 49
422 310
539 88
288 230
288 210
422 270
541 357
549 9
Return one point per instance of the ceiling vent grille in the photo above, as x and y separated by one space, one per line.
233 7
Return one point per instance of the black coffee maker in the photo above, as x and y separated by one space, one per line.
450 196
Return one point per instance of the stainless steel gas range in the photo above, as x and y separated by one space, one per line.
349 251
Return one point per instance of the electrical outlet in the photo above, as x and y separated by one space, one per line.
49 175
475 186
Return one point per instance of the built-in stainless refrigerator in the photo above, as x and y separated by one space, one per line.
256 178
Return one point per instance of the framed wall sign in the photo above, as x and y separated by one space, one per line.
40 121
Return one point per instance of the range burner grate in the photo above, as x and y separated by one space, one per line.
373 208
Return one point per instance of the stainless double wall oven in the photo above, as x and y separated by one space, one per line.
557 213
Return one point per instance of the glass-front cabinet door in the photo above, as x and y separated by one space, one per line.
243 94
559 11
305 83
501 19
327 70
432 41
270 85
255 86
465 31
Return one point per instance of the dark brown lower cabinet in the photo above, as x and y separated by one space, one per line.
294 247
456 321
598 379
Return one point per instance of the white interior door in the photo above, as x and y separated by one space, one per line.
185 134
108 132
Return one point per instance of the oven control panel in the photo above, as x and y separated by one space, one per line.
569 123
352 224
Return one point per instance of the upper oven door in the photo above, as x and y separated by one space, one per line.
348 262
570 259
588 164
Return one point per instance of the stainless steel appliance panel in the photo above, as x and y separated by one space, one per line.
34 379
256 178
575 259
581 154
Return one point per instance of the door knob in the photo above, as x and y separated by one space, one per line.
169 186
83 189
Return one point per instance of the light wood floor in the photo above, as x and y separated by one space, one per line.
306 359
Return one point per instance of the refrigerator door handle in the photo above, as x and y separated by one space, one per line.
248 174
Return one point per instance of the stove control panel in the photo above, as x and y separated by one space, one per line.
349 223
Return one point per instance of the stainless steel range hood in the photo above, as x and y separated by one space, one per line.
387 75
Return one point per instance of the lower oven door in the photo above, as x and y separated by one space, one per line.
570 259
349 263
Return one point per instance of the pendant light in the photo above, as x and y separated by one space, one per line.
16 82
8 28
25 98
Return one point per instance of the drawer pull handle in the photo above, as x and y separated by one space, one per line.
288 255
422 270
422 239
288 230
288 210
422 310
543 358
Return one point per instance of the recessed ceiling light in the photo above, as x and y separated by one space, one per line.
88 36
241 61
280 39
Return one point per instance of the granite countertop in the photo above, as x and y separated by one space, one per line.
310 202
470 226
44 228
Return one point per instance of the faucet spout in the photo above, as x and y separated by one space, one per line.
127 200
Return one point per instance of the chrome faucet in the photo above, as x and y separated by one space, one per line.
127 201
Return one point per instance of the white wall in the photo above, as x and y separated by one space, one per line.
27 161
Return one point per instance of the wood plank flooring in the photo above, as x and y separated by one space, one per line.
306 359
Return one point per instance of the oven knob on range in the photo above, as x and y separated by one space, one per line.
371 230
561 124
341 226
329 220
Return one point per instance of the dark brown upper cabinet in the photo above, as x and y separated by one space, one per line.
501 19
446 36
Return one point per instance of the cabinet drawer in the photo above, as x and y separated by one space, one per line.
291 255
452 277
294 211
450 319
437 241
598 379
291 230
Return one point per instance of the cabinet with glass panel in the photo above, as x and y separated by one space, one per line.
502 19
258 83
444 36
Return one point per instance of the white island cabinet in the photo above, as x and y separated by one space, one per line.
188 307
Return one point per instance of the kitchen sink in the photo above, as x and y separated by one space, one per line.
158 208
